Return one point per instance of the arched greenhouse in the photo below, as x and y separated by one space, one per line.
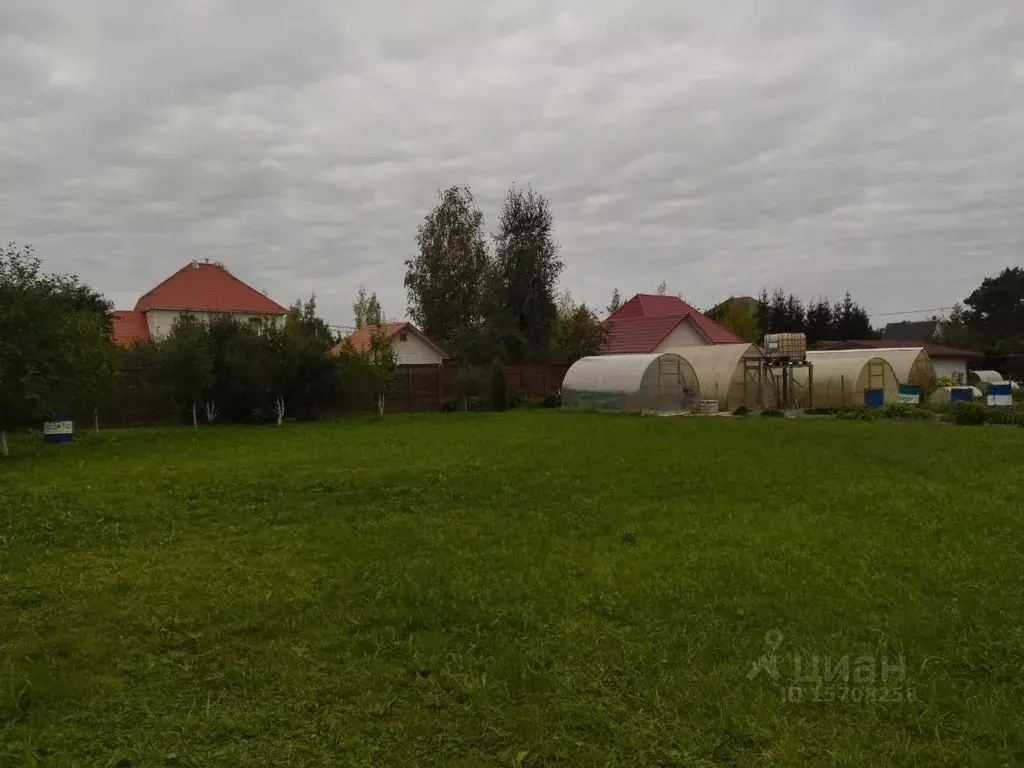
947 395
732 374
911 365
847 380
655 383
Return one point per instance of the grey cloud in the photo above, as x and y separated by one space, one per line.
720 146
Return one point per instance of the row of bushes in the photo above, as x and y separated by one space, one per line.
973 414
964 414
469 393
513 401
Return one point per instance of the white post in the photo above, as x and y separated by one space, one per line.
96 420
279 407
195 424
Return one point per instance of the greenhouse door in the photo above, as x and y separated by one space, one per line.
874 398
670 386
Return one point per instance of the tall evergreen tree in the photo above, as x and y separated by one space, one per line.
795 316
819 321
850 320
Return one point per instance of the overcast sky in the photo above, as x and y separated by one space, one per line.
722 146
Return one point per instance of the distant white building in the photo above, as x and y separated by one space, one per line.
411 345
200 289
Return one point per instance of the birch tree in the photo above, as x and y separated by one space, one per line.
446 281
383 366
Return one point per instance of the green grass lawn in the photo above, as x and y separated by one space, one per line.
525 589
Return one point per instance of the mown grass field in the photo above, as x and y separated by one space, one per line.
515 589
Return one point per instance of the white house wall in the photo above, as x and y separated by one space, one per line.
414 350
160 321
683 335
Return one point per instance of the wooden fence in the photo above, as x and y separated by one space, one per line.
427 387
416 388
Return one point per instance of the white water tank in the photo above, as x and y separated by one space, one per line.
785 346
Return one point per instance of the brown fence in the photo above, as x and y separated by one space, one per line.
416 388
427 387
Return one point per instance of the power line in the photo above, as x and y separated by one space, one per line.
908 312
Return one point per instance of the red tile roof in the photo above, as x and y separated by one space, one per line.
652 305
129 327
933 350
207 287
361 337
637 335
639 325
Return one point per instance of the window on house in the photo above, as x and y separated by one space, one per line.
254 323
403 337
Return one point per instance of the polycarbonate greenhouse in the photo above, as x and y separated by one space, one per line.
847 380
982 379
910 364
945 395
732 374
655 383
985 377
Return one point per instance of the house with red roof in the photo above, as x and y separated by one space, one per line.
201 289
412 347
653 322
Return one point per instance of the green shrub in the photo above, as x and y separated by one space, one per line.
969 414
517 400
904 411
468 386
499 387
741 411
856 413
552 400
774 413
822 410
1005 415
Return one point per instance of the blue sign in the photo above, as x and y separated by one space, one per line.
1000 394
961 395
60 430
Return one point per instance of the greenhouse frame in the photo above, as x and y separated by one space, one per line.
840 380
731 374
911 365
654 383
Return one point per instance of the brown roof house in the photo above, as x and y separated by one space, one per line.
412 347
652 322
200 289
